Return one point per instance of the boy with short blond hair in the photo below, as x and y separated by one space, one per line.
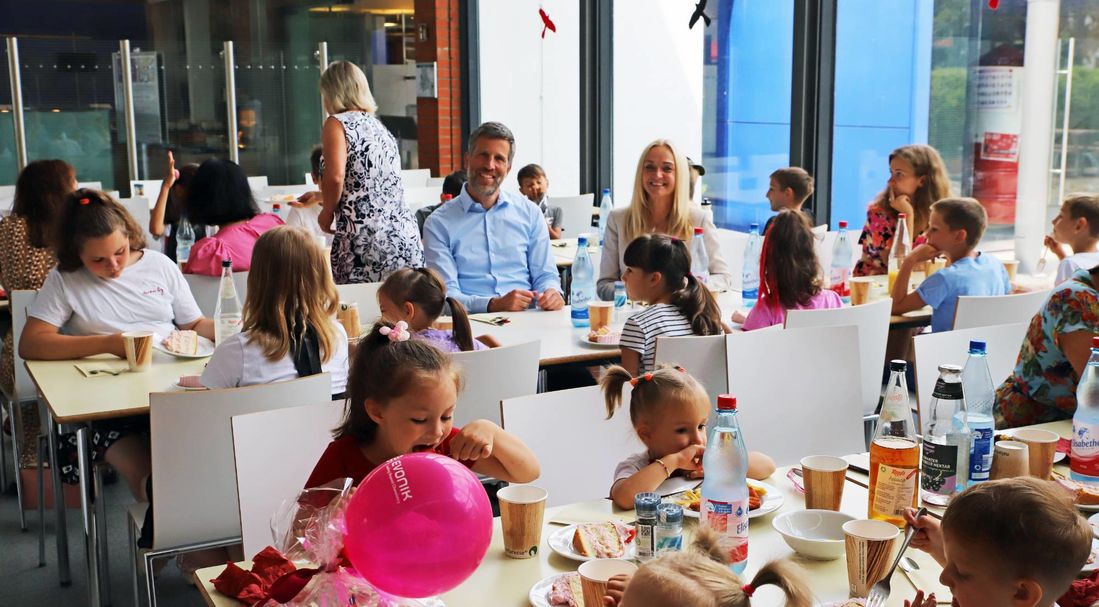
1076 225
790 187
954 230
1012 542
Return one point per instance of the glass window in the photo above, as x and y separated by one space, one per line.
8 159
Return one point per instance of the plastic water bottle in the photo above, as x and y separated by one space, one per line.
619 301
979 395
606 205
750 274
583 283
840 272
227 312
185 239
700 259
1084 459
276 208
724 506
946 443
902 246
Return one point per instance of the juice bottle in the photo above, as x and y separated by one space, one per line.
894 454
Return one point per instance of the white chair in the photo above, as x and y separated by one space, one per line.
417 198
148 189
194 479
981 311
415 178
576 214
490 376
703 356
258 184
1002 343
732 246
287 440
797 391
138 208
23 390
364 294
872 321
435 182
309 179
577 447
205 290
91 185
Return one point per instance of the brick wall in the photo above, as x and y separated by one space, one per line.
439 120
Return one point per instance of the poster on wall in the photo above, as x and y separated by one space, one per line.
146 90
998 115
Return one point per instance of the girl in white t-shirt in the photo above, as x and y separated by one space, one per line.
289 329
106 282
668 409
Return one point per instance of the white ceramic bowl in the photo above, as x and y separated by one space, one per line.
817 534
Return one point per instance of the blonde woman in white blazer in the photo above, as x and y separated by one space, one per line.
661 203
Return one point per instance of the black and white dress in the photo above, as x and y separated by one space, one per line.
375 232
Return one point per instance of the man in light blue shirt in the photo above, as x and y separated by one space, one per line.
490 246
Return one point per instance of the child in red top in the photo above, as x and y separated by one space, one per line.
401 398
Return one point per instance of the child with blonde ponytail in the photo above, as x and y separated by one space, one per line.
700 577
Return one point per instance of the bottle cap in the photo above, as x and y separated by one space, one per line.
947 368
753 226
582 239
645 504
843 224
618 284
976 347
706 202
227 262
902 215
698 231
606 191
726 402
1095 341
669 513
898 365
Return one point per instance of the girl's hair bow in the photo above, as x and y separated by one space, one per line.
398 332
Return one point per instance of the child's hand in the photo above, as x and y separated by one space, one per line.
919 601
1054 246
616 587
170 175
929 534
922 253
739 317
474 441
689 459
307 199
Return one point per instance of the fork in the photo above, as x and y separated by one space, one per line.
1041 268
110 371
880 591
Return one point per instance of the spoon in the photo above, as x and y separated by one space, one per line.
1041 268
908 565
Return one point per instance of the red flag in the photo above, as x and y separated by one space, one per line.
993 4
546 23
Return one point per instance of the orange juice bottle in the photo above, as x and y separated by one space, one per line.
894 454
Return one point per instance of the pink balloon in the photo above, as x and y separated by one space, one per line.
418 525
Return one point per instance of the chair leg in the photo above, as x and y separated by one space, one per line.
16 431
150 580
43 445
101 536
133 550
6 408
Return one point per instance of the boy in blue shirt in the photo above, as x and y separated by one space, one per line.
954 229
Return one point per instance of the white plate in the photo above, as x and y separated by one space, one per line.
205 348
771 502
1059 457
1094 522
1094 564
539 593
176 386
1088 507
561 543
583 337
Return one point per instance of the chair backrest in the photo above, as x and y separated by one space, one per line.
576 214
194 476
366 295
732 246
1002 343
205 290
138 208
797 392
21 300
308 178
872 321
435 182
703 356
258 183
982 311
289 441
417 198
91 185
577 447
490 376
416 178
149 190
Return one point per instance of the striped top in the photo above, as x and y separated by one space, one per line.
644 327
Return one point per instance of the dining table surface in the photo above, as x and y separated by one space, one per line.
509 581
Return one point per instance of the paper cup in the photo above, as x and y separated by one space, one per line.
1012 267
869 546
824 477
935 265
1042 446
348 315
595 574
1010 459
860 289
600 314
139 349
521 511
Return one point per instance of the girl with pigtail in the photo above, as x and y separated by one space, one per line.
417 297
668 410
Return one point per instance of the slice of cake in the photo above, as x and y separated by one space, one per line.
601 540
604 336
566 591
182 342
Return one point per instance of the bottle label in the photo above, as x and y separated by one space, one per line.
1085 448
940 468
838 282
729 519
895 489
644 540
668 539
947 390
980 458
